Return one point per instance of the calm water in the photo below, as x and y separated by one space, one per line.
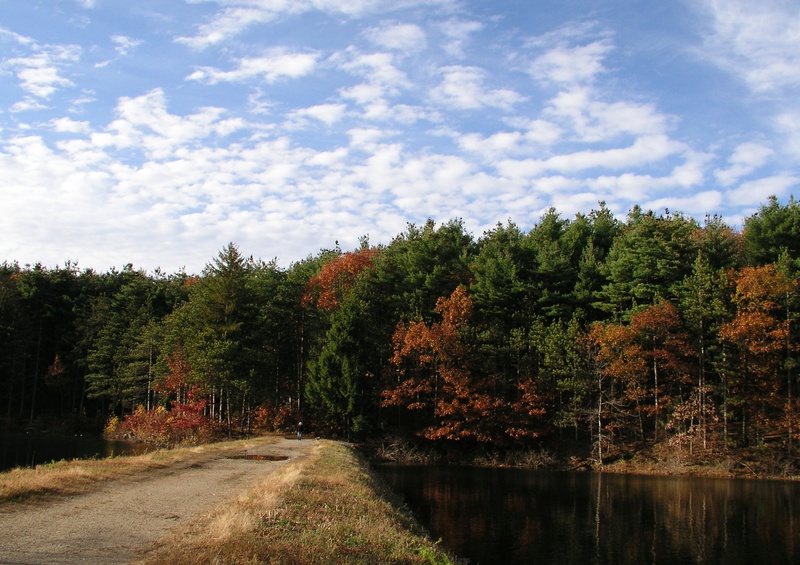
28 449
510 516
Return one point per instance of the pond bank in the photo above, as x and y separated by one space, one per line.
765 462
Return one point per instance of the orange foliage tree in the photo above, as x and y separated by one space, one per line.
337 276
760 334
666 350
646 363
621 372
434 380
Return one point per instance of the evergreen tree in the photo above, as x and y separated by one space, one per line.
771 230
343 371
341 379
557 258
647 261
428 263
704 298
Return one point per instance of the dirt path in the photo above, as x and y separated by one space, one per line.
118 522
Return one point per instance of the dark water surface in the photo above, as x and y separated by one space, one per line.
510 516
20 449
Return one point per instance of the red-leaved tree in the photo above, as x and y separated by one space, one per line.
337 276
434 381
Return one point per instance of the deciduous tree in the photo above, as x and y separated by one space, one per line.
760 331
435 380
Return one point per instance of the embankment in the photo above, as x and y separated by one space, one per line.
295 502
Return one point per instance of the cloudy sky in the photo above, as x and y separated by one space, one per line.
155 132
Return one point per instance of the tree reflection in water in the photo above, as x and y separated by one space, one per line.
517 516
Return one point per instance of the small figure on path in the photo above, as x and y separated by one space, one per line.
299 430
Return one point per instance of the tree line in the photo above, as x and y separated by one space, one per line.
653 329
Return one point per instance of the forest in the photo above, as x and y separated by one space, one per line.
654 330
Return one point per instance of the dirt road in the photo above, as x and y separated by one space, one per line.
121 520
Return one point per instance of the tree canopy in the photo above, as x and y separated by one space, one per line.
656 328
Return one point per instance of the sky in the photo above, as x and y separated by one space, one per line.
155 132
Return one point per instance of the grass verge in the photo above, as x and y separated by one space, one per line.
325 508
80 476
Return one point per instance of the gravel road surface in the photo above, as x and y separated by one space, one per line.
120 521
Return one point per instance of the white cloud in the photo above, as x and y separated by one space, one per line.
571 64
232 20
258 103
747 158
638 188
124 44
383 82
364 93
39 71
380 111
87 97
492 147
594 120
367 138
8 35
759 41
238 15
329 159
647 149
382 137
695 205
399 37
463 88
758 191
631 187
379 69
328 114
788 124
27 104
692 172
538 132
68 125
145 123
556 184
273 67
458 33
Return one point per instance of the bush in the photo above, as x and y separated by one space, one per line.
270 418
181 425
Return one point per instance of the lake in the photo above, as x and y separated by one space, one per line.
20 449
512 516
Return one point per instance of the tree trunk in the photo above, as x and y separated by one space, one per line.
36 373
600 420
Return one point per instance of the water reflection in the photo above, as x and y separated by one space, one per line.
515 516
19 449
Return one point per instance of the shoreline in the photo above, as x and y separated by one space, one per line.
330 502
654 460
324 504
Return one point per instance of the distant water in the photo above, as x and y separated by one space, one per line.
511 516
19 449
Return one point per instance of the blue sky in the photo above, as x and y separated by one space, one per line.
155 132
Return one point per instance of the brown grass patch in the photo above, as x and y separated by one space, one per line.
326 508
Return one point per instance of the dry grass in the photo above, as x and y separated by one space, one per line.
80 476
326 508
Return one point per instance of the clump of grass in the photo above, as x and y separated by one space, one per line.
80 476
532 459
326 508
399 450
